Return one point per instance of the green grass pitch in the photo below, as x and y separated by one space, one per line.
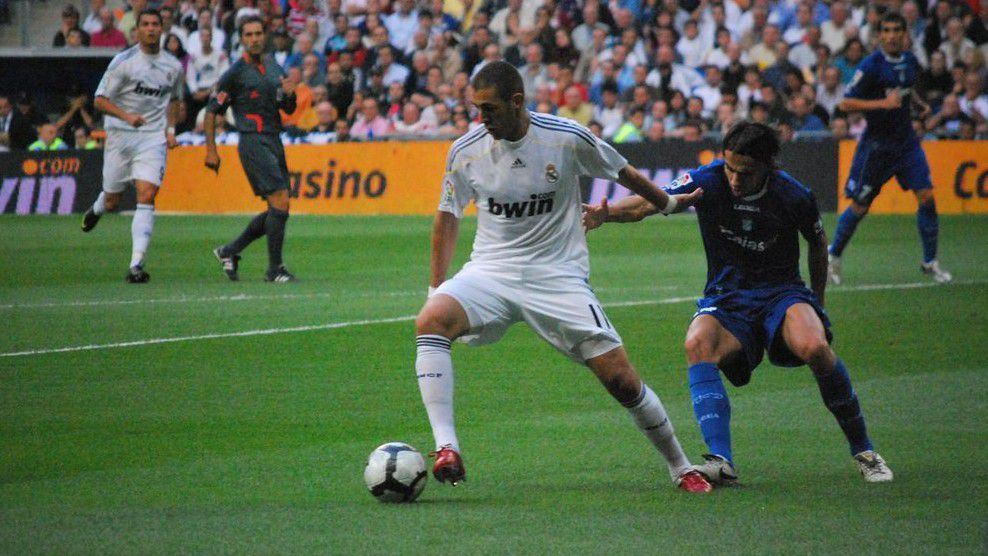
201 434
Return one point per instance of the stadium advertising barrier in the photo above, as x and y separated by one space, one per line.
59 182
340 178
812 162
959 170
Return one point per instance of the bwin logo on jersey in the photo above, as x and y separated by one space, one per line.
537 204
143 89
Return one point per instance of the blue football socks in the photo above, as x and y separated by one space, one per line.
846 225
839 397
712 408
929 228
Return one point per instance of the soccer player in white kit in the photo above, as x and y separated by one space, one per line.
529 261
140 94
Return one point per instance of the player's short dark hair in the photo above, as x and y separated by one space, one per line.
893 17
151 12
502 76
244 21
758 141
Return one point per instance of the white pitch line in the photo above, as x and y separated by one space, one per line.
247 297
363 322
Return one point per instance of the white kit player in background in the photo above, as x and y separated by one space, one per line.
529 261
140 94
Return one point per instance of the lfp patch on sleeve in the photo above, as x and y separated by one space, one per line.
685 179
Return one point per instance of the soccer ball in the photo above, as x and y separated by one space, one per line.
395 472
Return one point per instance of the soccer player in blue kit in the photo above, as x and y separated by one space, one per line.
751 216
881 88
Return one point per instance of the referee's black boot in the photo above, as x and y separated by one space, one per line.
279 275
89 220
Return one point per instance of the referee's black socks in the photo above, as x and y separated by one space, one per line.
254 230
274 227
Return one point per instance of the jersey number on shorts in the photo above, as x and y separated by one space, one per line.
598 316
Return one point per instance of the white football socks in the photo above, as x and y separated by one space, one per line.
650 416
434 369
140 232
99 207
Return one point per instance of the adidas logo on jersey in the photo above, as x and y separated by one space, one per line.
537 204
517 164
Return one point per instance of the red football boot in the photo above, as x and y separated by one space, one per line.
448 466
693 481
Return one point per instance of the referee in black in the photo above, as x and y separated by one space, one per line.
256 88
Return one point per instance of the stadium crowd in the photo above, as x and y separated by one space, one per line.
630 70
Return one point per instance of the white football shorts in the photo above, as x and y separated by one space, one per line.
560 308
133 155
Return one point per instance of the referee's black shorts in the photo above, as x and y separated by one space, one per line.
263 158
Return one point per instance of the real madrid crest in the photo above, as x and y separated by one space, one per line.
746 224
551 174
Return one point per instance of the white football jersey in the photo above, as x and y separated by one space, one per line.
141 84
528 192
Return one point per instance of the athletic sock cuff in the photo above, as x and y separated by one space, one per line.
703 372
277 212
433 341
142 206
638 399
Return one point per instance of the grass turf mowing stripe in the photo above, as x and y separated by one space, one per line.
364 322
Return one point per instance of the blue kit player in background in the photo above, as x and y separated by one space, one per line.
882 89
751 216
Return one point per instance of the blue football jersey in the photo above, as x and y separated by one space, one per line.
875 77
750 242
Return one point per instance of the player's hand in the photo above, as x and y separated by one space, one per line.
171 141
135 120
686 201
288 86
213 160
594 216
893 100
924 110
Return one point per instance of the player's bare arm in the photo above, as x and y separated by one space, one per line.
107 106
173 108
212 157
445 229
816 257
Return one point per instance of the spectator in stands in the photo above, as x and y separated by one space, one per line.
371 124
725 118
48 140
692 47
583 34
82 141
17 131
563 52
848 60
534 72
973 102
809 93
609 113
946 124
803 120
751 90
411 121
710 91
92 24
298 13
325 128
205 19
173 45
763 54
574 106
935 82
804 54
129 20
281 47
836 31
70 22
631 131
312 71
168 27
830 91
758 113
304 46
839 128
203 71
74 39
957 45
656 132
78 115
303 102
109 36
492 53
443 53
391 70
402 23
669 76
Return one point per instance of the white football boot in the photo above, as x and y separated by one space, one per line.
873 468
940 275
717 470
833 269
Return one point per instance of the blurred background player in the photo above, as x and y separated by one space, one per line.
750 217
256 87
882 89
529 261
140 94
